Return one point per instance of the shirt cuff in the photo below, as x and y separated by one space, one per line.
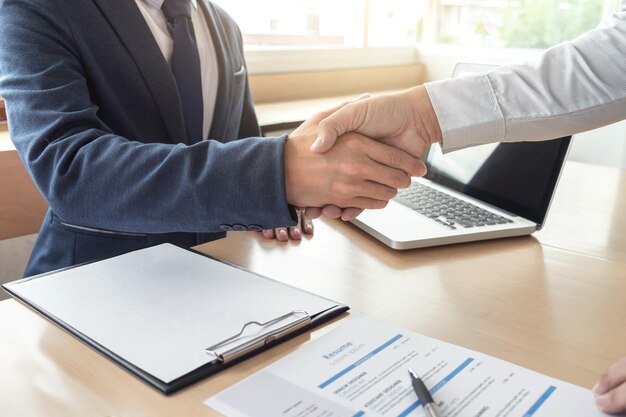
467 110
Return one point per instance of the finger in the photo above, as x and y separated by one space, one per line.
332 212
613 401
281 234
350 213
396 158
295 232
373 171
321 115
391 177
307 224
325 113
367 203
335 123
422 168
269 234
344 120
614 376
313 212
369 190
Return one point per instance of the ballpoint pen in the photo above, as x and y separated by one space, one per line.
423 395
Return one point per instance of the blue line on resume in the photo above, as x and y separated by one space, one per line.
451 375
359 362
409 410
437 387
540 401
359 414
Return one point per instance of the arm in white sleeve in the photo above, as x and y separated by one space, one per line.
573 87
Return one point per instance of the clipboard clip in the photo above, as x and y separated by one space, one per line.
254 335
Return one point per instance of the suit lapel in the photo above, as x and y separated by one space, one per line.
225 70
129 24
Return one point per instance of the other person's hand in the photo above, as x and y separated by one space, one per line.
333 212
358 172
405 120
283 234
610 391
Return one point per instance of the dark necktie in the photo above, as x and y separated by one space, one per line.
186 64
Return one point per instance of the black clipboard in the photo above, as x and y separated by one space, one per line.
77 298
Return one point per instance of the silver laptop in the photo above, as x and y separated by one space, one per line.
485 192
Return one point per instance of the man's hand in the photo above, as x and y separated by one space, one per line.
283 234
333 212
358 172
610 391
405 120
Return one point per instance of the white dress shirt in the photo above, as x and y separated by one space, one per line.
573 87
151 10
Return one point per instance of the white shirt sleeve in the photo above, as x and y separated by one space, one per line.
573 87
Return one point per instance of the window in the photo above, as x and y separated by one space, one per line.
395 22
374 23
296 35
281 24
514 23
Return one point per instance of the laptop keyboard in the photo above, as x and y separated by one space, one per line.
445 209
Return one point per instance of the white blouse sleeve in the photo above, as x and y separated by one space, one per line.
573 87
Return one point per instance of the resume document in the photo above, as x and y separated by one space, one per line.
361 369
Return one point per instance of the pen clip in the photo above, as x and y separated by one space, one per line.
254 335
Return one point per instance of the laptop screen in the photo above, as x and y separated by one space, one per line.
517 177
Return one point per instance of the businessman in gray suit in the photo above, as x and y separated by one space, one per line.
134 119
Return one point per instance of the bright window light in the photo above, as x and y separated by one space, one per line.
272 24
514 23
357 24
280 24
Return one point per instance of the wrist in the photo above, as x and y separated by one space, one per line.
424 115
291 172
301 169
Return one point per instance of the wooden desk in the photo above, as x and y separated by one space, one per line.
588 214
540 302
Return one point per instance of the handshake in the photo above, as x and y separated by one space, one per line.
356 156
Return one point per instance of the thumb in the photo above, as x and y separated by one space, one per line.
328 131
336 124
